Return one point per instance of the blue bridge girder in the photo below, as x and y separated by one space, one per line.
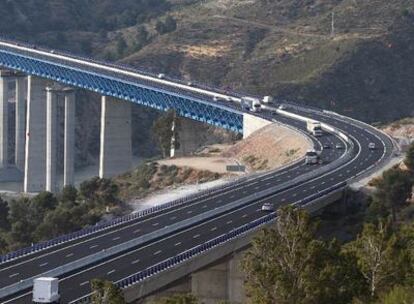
108 85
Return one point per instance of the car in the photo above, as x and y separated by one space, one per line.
339 146
268 207
190 84
371 146
161 76
326 146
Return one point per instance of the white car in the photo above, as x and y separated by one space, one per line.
161 76
268 207
371 146
339 146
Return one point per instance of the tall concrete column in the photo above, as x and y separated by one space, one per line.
4 122
69 141
116 150
21 95
51 138
35 158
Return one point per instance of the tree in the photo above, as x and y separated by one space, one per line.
68 196
121 46
394 189
4 213
379 257
105 292
99 191
162 131
170 24
178 299
288 265
399 295
409 158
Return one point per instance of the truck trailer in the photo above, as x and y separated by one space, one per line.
251 104
46 290
314 127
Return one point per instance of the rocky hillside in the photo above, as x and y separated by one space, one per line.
286 48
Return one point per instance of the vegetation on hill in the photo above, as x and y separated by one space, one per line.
151 177
284 48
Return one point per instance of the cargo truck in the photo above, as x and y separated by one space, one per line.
46 290
314 128
251 104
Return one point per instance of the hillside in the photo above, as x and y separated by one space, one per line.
284 48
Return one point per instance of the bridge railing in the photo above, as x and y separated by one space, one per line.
125 67
203 248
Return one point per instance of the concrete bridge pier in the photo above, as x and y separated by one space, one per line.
35 155
51 137
69 138
21 96
115 147
4 122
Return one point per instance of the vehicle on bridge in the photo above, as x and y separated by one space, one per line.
267 99
314 128
371 146
251 104
312 157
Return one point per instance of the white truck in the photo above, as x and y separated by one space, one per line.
46 290
267 99
314 127
312 157
251 104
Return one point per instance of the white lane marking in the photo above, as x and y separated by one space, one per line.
189 211
116 238
232 196
283 199
14 275
268 184
229 222
136 231
205 206
244 215
155 224
69 255
93 246
196 236
135 262
213 229
177 244
84 283
157 252
294 194
110 272
44 264
173 218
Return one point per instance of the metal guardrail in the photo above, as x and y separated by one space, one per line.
24 284
122 220
201 249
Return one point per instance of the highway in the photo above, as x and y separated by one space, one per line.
22 268
75 284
